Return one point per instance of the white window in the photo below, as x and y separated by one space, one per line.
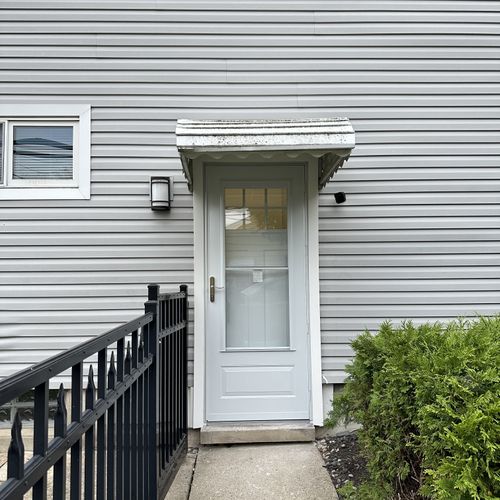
44 152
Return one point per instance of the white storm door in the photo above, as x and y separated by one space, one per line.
256 294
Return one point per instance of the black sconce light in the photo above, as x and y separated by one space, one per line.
340 197
161 194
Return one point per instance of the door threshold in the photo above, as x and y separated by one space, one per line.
265 431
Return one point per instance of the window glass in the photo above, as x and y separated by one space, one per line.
42 152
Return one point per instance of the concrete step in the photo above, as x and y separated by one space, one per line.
257 432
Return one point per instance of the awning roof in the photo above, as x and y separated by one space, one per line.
330 140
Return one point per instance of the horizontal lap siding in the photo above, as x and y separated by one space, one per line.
70 270
418 236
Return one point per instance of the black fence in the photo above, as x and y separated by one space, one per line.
127 439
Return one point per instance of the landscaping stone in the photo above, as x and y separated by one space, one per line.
343 459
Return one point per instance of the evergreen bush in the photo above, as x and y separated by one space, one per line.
428 399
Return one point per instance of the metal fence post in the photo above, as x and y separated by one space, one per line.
185 313
151 306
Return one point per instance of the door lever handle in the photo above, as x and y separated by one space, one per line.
212 289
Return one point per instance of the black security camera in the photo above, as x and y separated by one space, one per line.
340 197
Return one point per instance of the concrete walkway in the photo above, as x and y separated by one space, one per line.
254 472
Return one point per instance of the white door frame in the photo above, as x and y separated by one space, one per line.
201 290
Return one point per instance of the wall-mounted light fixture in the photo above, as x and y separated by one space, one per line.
161 195
340 197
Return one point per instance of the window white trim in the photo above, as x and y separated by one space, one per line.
31 114
38 183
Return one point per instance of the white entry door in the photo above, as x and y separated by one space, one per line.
256 294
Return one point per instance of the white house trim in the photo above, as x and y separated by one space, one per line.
199 296
314 302
201 289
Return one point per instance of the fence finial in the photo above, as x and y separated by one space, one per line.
140 351
15 454
61 416
128 359
90 392
112 372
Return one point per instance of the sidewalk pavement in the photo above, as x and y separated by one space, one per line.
286 471
254 472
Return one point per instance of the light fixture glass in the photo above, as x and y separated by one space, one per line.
160 193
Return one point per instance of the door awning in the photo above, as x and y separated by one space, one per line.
330 140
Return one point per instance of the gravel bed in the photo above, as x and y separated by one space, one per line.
342 459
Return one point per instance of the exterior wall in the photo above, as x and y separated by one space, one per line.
418 236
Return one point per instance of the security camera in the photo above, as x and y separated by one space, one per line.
340 197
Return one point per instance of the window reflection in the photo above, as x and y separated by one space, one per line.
255 208
42 152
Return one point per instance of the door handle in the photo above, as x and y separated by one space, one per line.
212 289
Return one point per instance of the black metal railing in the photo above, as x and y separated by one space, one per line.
128 441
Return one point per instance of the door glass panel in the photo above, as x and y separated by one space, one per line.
277 197
234 198
254 198
256 251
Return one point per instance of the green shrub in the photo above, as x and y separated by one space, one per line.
428 399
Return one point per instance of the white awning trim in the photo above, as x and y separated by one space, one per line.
330 140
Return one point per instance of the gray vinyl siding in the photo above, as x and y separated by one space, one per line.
418 236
